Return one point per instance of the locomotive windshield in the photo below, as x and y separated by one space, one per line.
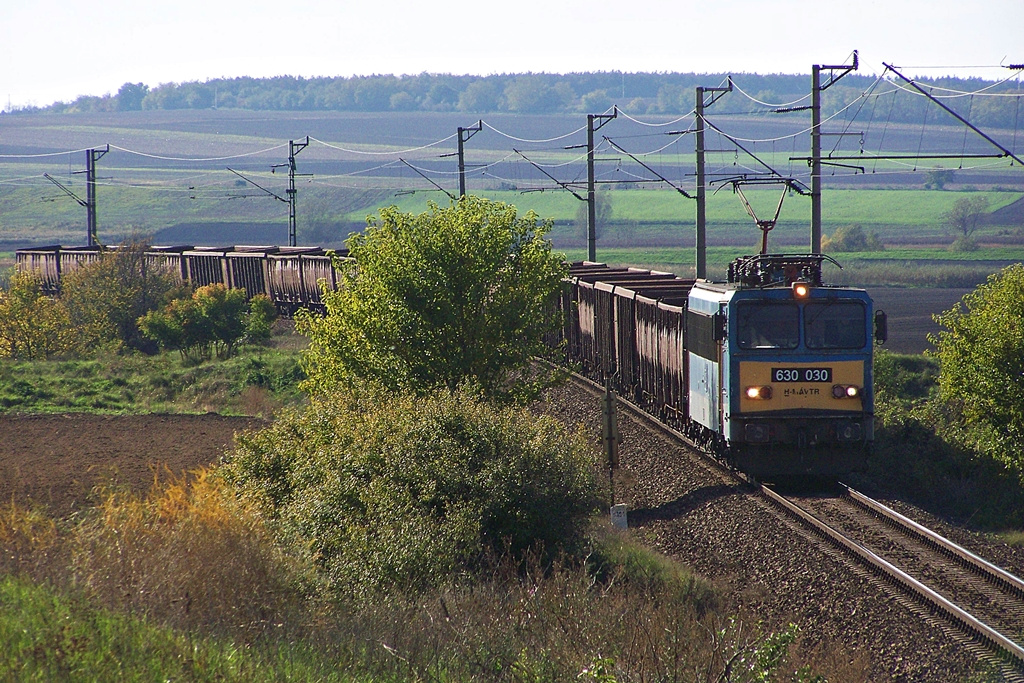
835 325
768 325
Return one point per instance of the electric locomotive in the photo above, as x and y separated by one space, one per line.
780 368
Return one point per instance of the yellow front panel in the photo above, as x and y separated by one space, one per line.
800 395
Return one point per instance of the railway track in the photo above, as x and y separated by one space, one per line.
975 598
979 598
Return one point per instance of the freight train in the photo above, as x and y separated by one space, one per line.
290 276
770 371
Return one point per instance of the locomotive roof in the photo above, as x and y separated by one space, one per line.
727 291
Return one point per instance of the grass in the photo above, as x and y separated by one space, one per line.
957 269
50 635
1014 538
186 583
253 382
869 208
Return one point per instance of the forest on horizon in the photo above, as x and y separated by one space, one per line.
540 93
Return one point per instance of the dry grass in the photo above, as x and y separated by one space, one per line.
30 542
188 555
1014 538
258 402
560 622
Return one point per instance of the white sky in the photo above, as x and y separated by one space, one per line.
55 50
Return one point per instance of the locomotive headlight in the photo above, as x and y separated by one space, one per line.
801 290
845 391
759 393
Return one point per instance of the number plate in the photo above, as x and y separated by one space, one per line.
801 374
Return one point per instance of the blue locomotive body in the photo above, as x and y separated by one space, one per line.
771 371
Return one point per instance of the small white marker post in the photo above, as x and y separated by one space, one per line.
619 516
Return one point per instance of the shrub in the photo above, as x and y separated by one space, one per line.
34 326
963 244
909 378
981 352
259 322
214 319
106 298
852 238
397 492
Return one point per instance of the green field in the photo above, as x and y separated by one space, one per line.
167 175
870 208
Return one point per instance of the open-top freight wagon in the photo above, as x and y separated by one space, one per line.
290 276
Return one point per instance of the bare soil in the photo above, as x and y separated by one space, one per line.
910 313
57 460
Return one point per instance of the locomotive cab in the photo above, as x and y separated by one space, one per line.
787 387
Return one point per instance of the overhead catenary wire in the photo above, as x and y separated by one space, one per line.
44 154
349 150
803 131
534 141
198 159
768 104
651 124
476 167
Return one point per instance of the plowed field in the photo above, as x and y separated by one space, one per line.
57 460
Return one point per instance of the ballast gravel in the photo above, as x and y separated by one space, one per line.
768 568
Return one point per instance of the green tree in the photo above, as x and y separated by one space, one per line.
596 101
966 214
981 354
938 177
403 101
130 96
602 215
106 298
454 295
534 94
480 95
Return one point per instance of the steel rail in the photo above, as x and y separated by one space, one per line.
951 611
986 569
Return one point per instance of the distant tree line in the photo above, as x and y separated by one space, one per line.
531 93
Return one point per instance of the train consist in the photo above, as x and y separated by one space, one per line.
770 371
288 275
